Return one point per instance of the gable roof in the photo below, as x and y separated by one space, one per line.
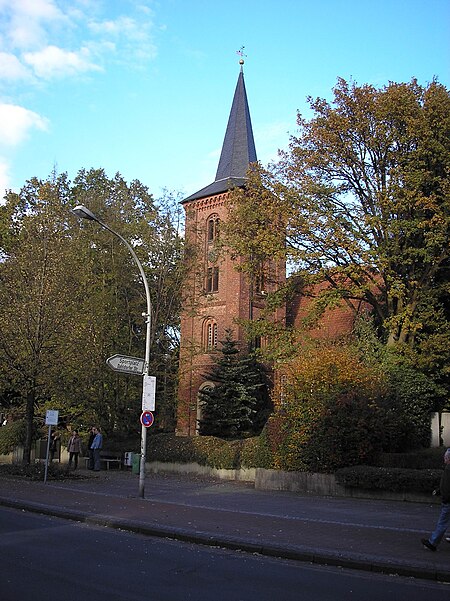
238 149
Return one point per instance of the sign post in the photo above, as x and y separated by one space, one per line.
51 419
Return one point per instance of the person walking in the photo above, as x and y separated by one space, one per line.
444 517
74 448
96 447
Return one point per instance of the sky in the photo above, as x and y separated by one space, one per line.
144 87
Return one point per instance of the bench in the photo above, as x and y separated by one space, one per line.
106 460
111 460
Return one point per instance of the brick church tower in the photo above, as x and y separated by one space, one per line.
216 295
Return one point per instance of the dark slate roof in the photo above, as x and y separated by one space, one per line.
238 149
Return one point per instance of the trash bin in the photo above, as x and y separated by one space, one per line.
136 463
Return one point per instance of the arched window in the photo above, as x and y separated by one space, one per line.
212 279
212 229
211 336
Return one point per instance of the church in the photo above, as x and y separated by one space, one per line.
217 296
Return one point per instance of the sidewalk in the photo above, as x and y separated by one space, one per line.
371 535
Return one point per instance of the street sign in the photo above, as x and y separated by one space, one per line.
51 418
147 418
148 393
126 365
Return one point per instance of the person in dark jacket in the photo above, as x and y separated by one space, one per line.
91 451
444 518
54 445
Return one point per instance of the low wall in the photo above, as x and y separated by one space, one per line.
304 483
326 485
244 475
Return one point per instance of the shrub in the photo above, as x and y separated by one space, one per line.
327 415
12 435
255 452
170 448
389 479
205 450
35 471
423 459
216 452
350 432
411 399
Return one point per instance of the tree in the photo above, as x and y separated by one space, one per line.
39 296
117 293
236 403
71 296
361 201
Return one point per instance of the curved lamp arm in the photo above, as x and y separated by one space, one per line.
85 213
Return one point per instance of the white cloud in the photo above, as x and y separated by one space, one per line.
27 21
132 36
53 62
59 38
16 122
11 68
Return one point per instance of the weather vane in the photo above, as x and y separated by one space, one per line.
241 54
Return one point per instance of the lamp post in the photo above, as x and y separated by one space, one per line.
85 213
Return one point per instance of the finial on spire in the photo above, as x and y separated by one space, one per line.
241 54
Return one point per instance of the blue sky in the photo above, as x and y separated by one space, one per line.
144 87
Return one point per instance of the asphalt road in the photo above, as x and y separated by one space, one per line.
43 557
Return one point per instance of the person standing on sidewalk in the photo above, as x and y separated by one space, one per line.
54 445
90 451
96 447
444 518
74 448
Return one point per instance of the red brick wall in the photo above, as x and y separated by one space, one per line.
232 302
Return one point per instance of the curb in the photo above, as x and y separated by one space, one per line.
233 543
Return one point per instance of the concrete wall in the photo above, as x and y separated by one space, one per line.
244 475
326 485
301 482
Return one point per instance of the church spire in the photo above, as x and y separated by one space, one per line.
238 149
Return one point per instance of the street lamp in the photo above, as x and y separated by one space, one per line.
85 213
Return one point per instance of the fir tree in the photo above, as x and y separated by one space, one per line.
237 404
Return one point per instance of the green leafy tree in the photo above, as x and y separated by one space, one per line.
237 402
117 294
39 296
360 200
70 297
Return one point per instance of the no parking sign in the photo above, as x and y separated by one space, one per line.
147 419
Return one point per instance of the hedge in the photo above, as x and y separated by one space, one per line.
389 479
210 451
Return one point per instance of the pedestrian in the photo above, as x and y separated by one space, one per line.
74 448
54 442
90 450
96 447
444 517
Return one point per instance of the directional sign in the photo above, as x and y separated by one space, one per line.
147 418
126 365
148 393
